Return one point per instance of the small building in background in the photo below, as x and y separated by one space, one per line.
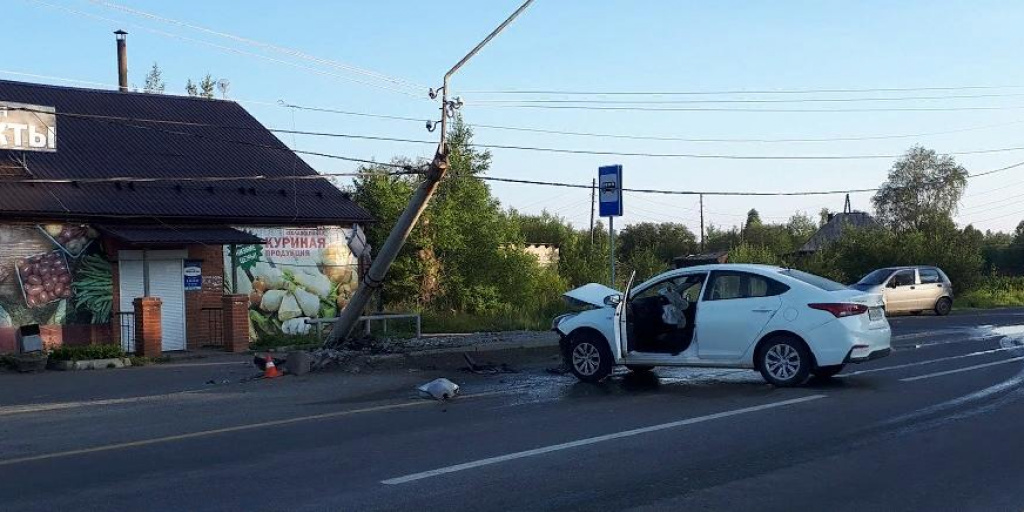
837 224
701 259
547 254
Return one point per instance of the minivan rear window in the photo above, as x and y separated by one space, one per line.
813 280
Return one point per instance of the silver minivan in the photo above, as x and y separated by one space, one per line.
910 289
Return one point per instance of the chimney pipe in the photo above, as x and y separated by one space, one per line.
122 60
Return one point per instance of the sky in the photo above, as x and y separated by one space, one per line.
606 46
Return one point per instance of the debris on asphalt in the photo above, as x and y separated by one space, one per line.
485 369
298 362
439 389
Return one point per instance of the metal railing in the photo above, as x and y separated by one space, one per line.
126 326
320 323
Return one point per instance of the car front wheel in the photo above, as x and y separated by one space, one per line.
943 306
784 361
590 358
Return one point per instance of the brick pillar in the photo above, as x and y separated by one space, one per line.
235 311
148 333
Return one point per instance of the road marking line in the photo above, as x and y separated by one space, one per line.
7 410
961 370
237 428
930 361
592 440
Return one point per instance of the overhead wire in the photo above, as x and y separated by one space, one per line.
743 91
742 100
227 48
260 44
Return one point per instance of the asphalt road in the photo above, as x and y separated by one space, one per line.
935 426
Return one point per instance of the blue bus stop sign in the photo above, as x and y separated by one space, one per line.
609 183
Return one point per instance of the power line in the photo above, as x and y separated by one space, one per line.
57 78
660 138
128 120
744 91
761 110
225 48
281 49
742 101
719 193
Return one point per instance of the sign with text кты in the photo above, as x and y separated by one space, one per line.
27 127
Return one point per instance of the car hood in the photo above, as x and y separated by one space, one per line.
593 294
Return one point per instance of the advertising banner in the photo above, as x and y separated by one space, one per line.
52 274
297 275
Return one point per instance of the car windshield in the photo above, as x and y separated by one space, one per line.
877 277
813 280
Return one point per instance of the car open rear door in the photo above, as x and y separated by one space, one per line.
619 322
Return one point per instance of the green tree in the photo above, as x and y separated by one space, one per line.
665 240
154 81
922 186
207 86
191 88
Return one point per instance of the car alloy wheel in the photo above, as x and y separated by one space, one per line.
782 361
586 358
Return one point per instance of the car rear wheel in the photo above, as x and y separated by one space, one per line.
590 358
827 372
784 361
943 306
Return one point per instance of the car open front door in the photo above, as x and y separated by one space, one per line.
619 322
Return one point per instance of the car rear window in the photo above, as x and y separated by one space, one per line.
813 280
929 276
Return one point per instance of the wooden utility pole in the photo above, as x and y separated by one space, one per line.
374 279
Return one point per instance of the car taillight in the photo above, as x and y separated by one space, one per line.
840 309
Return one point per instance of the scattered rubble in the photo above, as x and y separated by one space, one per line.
485 369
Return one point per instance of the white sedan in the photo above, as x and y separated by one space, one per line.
785 323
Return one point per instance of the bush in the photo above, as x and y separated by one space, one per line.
748 253
994 292
86 352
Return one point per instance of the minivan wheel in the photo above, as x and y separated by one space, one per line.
784 361
943 306
590 358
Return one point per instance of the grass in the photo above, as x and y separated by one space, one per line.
267 341
533 319
994 292
86 352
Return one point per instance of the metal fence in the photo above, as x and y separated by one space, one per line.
126 326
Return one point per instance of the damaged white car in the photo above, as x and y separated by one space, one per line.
785 323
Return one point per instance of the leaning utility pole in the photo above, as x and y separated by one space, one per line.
396 239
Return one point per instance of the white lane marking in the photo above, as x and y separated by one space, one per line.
961 370
930 361
236 428
592 440
58 406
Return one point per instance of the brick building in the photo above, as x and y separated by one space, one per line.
108 197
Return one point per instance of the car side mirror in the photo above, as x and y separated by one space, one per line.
613 300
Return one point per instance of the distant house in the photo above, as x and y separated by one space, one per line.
833 230
547 254
701 259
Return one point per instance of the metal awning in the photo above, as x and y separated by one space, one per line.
167 234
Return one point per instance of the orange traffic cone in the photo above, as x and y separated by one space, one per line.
270 371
